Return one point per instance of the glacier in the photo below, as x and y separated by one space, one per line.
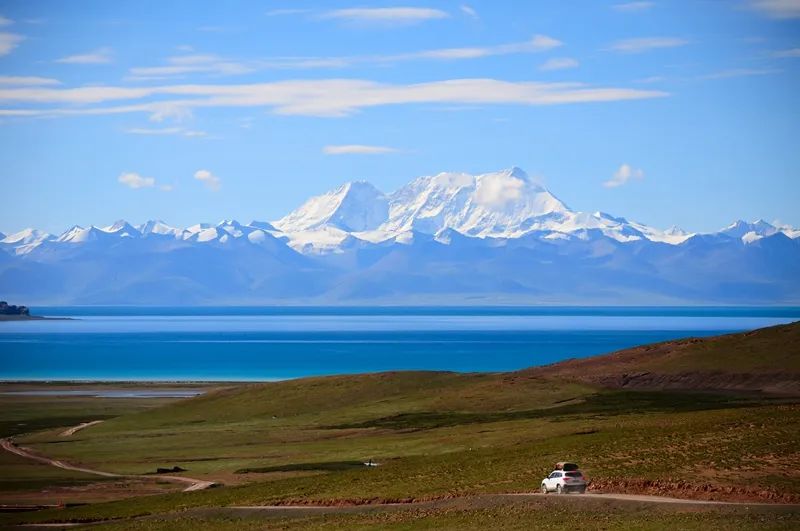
452 238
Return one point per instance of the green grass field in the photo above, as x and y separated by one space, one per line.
440 436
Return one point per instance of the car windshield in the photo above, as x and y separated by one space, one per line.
573 474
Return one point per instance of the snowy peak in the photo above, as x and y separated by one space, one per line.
123 229
354 206
25 237
158 227
740 228
497 204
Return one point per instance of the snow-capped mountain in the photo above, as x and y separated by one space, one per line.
354 206
493 238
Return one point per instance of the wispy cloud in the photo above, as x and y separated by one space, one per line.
165 131
646 44
285 12
95 57
650 79
792 52
385 15
559 63
183 65
9 41
320 97
27 80
781 9
5 21
741 72
624 174
633 7
469 11
357 149
134 180
211 181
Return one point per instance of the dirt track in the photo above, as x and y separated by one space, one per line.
8 445
73 430
633 498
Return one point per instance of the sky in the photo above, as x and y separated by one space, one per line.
669 113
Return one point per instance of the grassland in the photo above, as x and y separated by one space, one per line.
439 436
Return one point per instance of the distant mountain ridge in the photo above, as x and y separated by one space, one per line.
451 238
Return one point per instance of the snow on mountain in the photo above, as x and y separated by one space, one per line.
24 241
493 238
750 232
498 204
354 206
159 228
122 229
502 205
25 237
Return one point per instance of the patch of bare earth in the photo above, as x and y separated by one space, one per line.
676 488
88 493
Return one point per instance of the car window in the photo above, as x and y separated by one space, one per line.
555 475
573 474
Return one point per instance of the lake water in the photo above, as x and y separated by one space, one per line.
277 343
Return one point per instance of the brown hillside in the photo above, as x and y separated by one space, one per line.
766 360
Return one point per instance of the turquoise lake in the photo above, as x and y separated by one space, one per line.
248 343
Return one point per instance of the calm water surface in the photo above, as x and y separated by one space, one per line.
276 343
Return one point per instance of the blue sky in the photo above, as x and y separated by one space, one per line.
664 112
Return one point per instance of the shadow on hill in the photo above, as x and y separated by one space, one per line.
592 406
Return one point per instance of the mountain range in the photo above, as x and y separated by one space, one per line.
451 238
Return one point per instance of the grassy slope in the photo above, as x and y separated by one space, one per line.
23 480
440 434
772 352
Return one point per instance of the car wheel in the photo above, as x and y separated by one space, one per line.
559 490
582 491
544 488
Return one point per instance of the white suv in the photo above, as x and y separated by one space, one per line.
562 481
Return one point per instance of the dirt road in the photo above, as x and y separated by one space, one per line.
73 430
566 498
8 445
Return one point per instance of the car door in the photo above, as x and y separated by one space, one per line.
551 481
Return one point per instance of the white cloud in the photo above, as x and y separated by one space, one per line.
27 80
469 11
559 63
651 79
537 43
792 52
183 65
647 43
9 41
781 9
384 15
211 181
624 174
284 12
134 180
95 57
631 7
357 149
318 97
740 72
165 131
